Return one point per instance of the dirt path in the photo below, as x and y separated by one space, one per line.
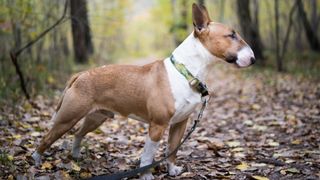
258 125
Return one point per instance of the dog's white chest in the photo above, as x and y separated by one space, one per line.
186 99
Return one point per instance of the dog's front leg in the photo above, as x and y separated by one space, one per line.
175 135
150 148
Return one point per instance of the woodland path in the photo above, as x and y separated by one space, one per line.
258 125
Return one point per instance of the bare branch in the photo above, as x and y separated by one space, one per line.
14 54
60 20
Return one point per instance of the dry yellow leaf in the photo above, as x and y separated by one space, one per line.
17 136
35 134
256 107
238 149
260 178
10 158
239 155
10 177
283 172
51 80
85 175
75 167
290 117
259 127
243 166
293 170
27 106
296 142
273 143
233 143
46 165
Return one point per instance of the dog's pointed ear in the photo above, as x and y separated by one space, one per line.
200 17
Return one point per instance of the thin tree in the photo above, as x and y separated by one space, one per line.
180 18
82 43
249 28
276 10
314 15
311 35
15 53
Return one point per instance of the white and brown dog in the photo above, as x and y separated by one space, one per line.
155 93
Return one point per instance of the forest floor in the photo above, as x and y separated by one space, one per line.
258 125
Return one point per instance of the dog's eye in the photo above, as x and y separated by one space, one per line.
232 35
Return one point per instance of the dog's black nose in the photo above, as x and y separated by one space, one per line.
253 60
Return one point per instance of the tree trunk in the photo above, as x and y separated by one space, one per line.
256 13
311 35
276 10
180 24
314 15
82 43
249 30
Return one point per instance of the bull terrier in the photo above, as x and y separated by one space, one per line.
158 93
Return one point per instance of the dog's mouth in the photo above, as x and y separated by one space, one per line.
231 59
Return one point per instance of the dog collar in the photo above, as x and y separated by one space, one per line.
193 81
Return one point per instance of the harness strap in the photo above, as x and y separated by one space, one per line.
134 172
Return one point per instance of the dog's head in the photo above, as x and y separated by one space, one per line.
221 40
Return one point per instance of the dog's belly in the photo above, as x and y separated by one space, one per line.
186 99
138 118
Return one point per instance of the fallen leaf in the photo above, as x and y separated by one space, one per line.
273 143
296 142
256 107
283 172
17 136
85 175
248 122
258 164
75 167
10 177
233 143
10 158
35 134
293 170
260 178
243 166
46 165
259 127
276 155
238 149
239 155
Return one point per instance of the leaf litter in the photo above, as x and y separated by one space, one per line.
257 126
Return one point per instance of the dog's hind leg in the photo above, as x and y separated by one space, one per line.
73 108
91 122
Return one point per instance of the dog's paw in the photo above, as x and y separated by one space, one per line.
146 176
174 170
37 158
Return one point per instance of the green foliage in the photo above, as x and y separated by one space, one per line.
126 30
42 64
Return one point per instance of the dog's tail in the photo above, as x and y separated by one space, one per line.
69 84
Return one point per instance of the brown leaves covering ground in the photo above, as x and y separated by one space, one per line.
258 125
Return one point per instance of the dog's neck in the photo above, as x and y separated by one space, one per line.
194 56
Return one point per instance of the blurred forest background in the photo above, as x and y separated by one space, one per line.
262 123
283 33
